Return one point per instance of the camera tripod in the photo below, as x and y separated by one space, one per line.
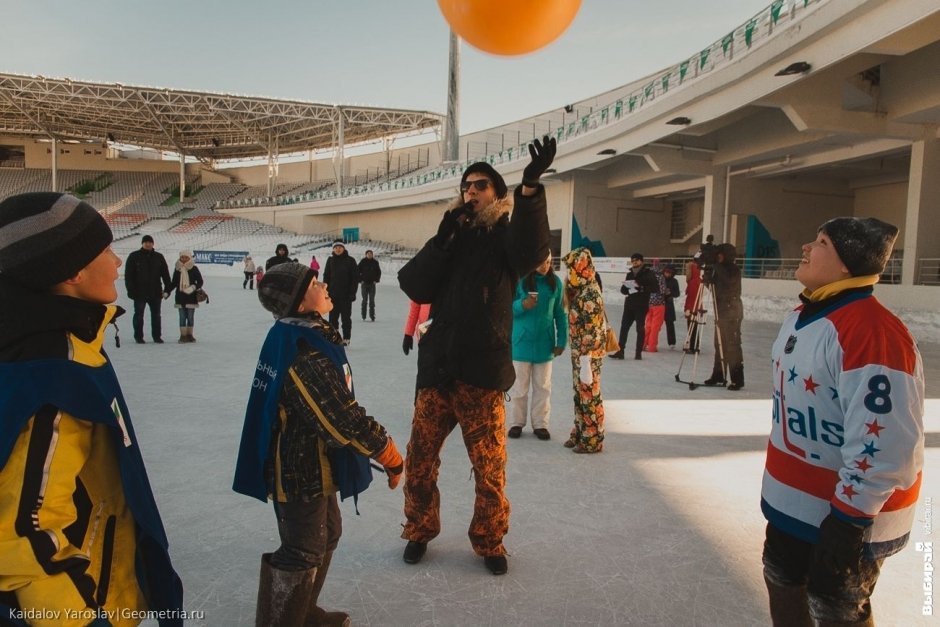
693 340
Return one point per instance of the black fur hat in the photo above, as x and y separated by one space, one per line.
863 244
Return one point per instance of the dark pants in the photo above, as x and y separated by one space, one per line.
847 594
342 308
249 280
155 328
629 317
308 531
671 332
368 294
729 330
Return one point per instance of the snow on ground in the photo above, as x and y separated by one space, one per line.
663 528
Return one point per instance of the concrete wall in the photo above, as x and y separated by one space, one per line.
885 202
790 210
38 155
411 225
623 224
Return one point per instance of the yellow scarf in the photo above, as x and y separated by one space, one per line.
835 287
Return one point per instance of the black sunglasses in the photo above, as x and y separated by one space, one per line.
480 184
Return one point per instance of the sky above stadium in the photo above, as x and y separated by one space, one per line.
376 53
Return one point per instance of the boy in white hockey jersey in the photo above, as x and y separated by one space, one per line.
846 448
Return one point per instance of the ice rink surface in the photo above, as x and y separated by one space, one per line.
662 528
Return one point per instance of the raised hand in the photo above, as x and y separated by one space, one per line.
542 153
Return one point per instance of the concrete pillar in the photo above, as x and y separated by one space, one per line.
55 165
921 228
714 218
182 177
451 132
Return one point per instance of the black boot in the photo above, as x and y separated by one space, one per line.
737 377
316 615
283 595
717 378
617 355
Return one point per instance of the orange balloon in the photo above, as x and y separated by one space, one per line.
509 27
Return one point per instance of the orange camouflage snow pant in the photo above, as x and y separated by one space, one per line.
481 415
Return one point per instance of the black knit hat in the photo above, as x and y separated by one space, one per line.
481 167
283 287
863 244
47 237
146 238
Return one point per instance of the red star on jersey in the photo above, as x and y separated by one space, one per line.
874 428
849 491
863 465
810 385
777 365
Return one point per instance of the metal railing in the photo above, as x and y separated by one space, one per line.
928 272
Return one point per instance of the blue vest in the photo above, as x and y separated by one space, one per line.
351 471
93 394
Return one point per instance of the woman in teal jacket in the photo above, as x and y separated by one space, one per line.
539 334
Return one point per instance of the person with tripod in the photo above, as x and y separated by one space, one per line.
725 279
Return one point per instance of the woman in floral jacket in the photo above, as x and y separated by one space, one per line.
587 330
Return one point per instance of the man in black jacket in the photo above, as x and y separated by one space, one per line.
280 256
468 272
341 276
369 274
147 279
639 283
725 276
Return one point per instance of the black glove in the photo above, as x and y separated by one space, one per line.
543 153
838 552
407 344
452 221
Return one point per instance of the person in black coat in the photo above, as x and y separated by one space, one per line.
725 277
672 292
147 279
468 272
341 276
280 256
369 274
639 283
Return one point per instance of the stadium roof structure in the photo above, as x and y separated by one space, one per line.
205 125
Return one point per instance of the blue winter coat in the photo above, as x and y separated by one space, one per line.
537 331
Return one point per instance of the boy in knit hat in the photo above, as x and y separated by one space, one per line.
846 447
80 533
302 428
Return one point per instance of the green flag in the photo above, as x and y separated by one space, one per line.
749 32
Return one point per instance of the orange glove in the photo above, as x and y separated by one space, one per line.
391 461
